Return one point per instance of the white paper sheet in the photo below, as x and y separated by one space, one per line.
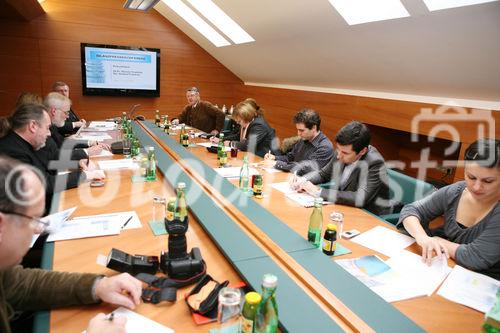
234 172
209 144
102 124
57 219
93 136
126 163
138 323
103 153
469 288
303 199
429 277
384 240
84 228
134 223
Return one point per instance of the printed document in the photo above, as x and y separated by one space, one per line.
126 163
302 198
122 218
384 240
84 228
109 125
469 288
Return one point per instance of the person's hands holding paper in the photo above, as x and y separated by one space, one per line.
106 324
122 289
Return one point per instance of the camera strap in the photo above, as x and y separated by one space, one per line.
161 289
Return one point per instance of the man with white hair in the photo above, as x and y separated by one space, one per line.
73 122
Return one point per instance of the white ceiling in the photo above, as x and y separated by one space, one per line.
449 53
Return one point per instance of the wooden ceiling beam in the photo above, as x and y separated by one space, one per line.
27 9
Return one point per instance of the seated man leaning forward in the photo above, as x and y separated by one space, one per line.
471 231
358 172
312 152
21 206
200 114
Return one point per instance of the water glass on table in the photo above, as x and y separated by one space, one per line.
229 310
127 145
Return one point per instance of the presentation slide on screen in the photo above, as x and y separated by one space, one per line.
120 69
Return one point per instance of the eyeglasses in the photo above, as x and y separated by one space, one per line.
35 222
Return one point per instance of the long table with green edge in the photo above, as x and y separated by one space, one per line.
243 252
355 295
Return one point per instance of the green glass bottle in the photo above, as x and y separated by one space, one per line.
135 147
245 175
252 301
157 118
166 125
180 204
181 134
124 118
220 146
151 170
170 209
492 318
266 314
316 223
257 186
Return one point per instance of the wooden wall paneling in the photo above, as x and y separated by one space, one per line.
27 9
18 46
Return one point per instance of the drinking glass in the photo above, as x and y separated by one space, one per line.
127 144
229 310
338 219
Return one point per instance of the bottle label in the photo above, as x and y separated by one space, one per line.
223 160
169 215
246 325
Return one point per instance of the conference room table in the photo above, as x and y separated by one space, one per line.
119 194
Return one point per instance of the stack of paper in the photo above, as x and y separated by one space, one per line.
471 289
93 136
209 144
384 240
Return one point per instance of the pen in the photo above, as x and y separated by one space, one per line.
130 218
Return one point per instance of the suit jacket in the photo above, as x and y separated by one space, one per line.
16 147
74 146
204 116
366 187
36 289
68 128
258 138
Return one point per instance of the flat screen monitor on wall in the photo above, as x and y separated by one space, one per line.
112 70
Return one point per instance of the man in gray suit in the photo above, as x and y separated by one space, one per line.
358 173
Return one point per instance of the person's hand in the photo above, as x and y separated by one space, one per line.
431 245
295 182
94 150
87 165
95 174
80 123
175 122
123 290
214 139
104 146
92 143
267 163
269 156
214 132
308 187
227 143
102 324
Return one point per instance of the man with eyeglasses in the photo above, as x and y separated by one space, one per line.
21 205
58 107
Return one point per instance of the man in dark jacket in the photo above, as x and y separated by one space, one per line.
27 131
73 123
358 172
21 206
201 114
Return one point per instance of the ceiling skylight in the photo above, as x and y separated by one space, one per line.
197 22
363 11
445 4
222 21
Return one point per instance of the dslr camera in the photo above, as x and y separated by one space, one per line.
177 263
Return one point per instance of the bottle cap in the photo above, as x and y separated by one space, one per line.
269 281
181 185
170 199
151 148
253 297
331 226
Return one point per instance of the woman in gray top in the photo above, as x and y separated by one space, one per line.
471 214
